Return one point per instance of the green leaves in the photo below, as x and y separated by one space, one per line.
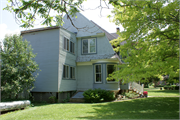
29 11
151 35
18 66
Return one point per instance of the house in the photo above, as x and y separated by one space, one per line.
72 59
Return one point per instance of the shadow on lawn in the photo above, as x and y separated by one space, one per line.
35 104
147 108
165 91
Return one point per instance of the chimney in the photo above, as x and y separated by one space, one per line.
117 29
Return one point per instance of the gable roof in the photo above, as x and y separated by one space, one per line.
109 36
83 26
115 35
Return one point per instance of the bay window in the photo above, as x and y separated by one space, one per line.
98 74
109 70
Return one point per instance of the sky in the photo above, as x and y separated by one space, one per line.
8 24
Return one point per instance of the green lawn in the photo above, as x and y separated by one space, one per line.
145 108
162 93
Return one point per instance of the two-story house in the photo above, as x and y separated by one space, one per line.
72 59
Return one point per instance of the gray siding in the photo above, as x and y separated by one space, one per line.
46 45
66 58
85 77
85 73
125 86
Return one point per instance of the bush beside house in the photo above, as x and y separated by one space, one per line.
98 95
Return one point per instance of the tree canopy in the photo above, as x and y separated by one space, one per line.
17 66
151 33
48 11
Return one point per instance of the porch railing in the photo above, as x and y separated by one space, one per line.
137 87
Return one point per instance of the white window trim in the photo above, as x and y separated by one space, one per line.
88 46
98 73
107 74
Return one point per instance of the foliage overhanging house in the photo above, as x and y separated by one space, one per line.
71 59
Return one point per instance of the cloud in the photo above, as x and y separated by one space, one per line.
4 30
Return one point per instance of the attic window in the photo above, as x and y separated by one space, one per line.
88 46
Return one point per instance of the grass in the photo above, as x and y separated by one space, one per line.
156 92
145 108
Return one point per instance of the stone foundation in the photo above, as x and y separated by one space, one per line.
45 96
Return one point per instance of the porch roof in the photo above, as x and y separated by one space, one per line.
86 58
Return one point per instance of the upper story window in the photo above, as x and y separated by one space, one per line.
110 69
68 45
71 47
88 46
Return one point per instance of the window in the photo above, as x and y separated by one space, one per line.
65 71
72 72
98 74
89 46
65 43
68 45
71 47
68 72
110 69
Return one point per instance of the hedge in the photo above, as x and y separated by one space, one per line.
172 87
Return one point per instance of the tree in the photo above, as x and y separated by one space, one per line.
47 12
17 66
28 11
151 32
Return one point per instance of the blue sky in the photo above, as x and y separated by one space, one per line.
9 26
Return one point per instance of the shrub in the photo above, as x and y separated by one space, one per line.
52 99
176 87
131 94
98 95
159 85
167 87
172 87
146 86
